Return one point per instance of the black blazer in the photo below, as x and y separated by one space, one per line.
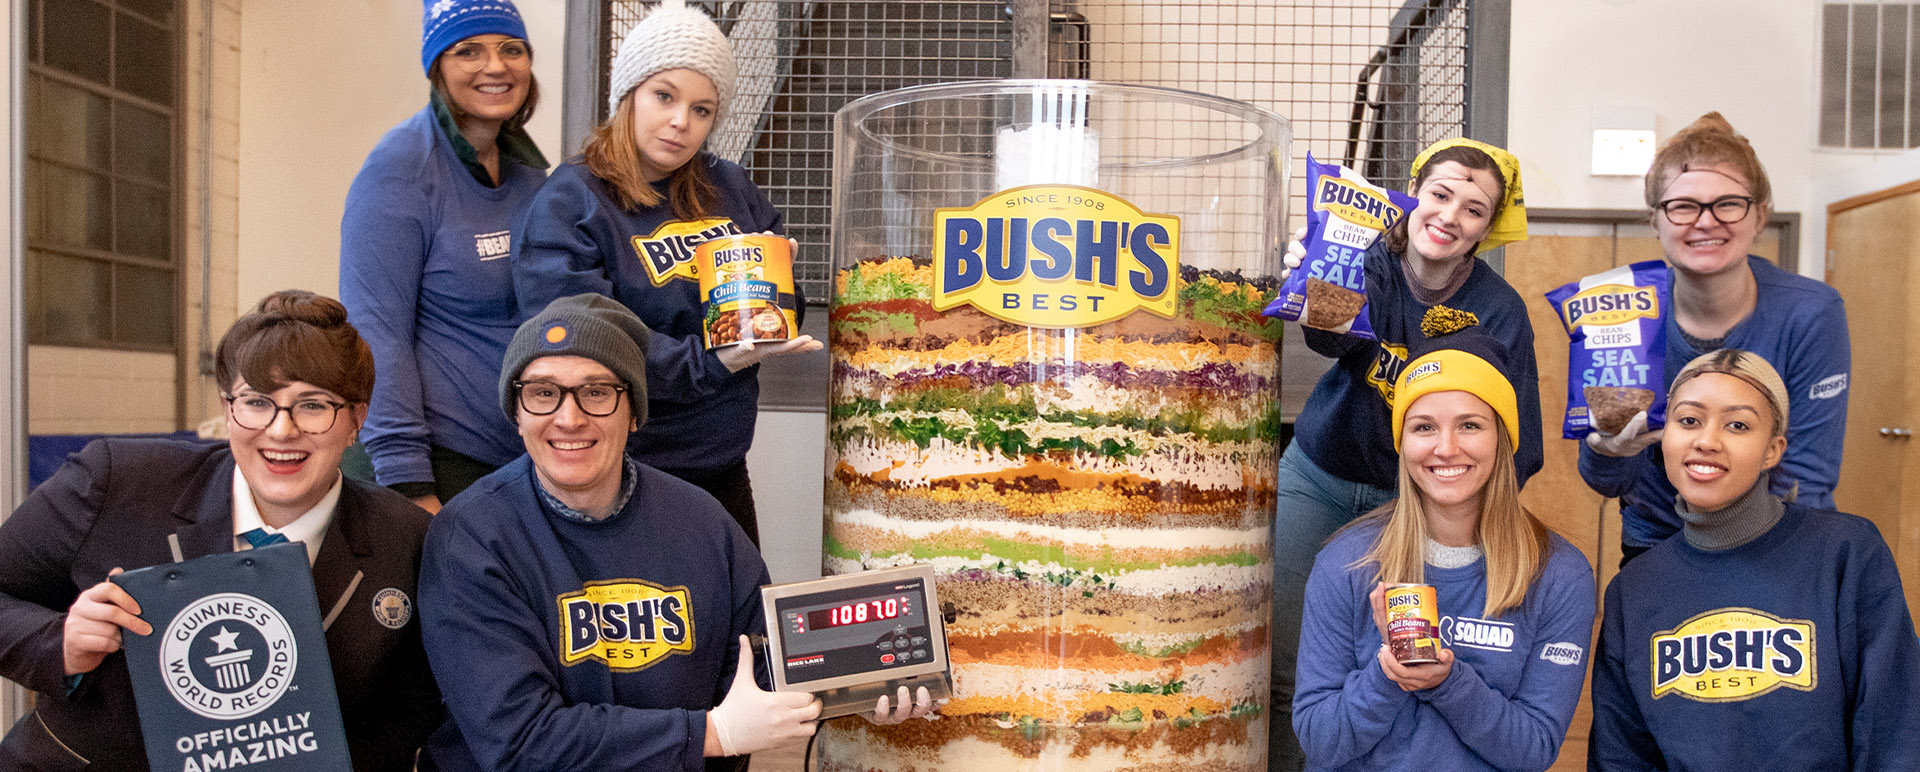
114 504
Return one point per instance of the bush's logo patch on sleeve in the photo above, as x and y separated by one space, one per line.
1055 256
228 656
667 252
1828 387
1563 653
1733 654
627 624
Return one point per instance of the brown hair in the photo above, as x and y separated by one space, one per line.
1514 541
295 335
1708 141
519 117
1469 157
612 153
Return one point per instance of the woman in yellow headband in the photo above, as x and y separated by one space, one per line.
1514 601
1342 461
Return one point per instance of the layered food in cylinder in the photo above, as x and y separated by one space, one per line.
1097 503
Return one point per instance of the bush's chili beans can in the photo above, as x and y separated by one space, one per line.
746 288
1413 623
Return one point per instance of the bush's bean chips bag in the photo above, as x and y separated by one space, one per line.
1345 216
1616 365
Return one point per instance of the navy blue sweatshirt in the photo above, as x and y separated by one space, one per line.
1347 426
1792 651
575 238
563 644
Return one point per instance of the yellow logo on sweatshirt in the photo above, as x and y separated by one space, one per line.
667 252
1733 654
1387 364
628 624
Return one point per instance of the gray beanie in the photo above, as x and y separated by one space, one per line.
588 325
671 37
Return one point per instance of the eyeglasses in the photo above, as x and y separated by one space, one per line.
471 56
256 412
1726 209
595 399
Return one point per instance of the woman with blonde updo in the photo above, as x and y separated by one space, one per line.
1708 198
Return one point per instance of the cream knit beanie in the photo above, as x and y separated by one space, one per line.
670 37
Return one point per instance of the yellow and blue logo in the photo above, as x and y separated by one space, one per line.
1387 364
1056 256
1610 304
626 624
1356 203
1732 654
667 252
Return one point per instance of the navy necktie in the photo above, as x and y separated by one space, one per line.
259 537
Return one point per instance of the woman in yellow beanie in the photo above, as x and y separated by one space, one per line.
1515 601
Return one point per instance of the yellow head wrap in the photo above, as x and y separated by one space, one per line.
1512 223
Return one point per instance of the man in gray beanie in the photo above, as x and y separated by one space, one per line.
589 610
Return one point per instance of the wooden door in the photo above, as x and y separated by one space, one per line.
1872 241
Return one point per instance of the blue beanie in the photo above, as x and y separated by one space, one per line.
446 22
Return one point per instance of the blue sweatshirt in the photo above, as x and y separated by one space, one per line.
1800 326
1505 705
425 279
563 644
1793 651
575 238
1347 426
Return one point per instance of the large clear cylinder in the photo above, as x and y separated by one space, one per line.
1051 380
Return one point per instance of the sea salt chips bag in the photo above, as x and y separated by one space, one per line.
1345 216
1616 363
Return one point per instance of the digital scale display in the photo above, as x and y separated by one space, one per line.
855 630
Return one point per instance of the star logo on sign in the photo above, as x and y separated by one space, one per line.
225 640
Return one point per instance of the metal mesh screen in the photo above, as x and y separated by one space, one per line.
1365 82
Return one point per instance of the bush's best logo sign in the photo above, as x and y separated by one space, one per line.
228 656
1733 654
1056 256
628 624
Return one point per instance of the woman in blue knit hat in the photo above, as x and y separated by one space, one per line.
1514 601
623 218
423 253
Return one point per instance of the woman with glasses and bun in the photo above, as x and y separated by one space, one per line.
623 218
1709 199
296 378
423 254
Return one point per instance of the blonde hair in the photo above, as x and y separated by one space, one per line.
1709 141
1514 541
612 153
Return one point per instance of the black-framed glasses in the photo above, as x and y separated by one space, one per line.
256 412
471 55
595 399
1726 209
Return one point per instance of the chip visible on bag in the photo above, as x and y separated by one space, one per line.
1616 361
1345 216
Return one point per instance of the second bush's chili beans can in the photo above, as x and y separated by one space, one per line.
1413 623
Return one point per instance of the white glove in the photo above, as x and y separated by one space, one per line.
903 709
1296 252
752 719
1632 438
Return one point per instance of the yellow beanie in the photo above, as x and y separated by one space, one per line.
1512 224
1456 370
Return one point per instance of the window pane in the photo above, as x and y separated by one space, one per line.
1893 76
72 207
75 37
157 10
73 299
143 305
143 59
141 219
33 31
67 124
1833 76
1866 50
143 143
